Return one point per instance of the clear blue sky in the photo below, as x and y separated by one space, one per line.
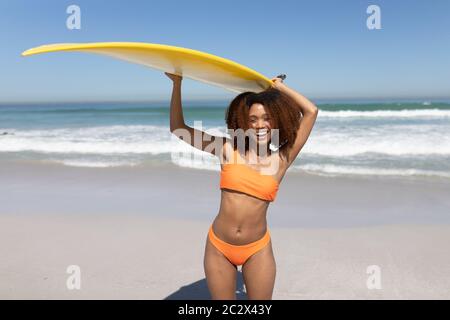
324 47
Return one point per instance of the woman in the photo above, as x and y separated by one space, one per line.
239 234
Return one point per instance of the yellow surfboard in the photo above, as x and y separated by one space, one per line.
185 62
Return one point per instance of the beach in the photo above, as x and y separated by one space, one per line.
102 196
139 232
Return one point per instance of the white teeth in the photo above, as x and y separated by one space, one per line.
261 133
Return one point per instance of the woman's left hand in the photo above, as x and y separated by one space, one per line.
277 83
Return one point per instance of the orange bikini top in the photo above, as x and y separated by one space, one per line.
240 177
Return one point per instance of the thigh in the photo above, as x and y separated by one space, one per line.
259 274
220 274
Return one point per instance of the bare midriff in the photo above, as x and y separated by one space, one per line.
241 219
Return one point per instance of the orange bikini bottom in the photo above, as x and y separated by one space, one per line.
237 255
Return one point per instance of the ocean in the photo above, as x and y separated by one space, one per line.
407 139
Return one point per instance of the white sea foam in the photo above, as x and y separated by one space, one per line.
361 141
335 170
199 162
95 164
394 140
406 113
97 140
337 141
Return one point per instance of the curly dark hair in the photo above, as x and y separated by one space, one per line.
284 112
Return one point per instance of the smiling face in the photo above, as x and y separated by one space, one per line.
260 121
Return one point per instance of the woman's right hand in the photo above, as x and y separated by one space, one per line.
174 77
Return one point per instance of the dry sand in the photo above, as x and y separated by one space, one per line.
140 234
137 257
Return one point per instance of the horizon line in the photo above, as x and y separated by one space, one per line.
223 99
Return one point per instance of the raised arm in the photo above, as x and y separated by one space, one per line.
309 112
197 138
